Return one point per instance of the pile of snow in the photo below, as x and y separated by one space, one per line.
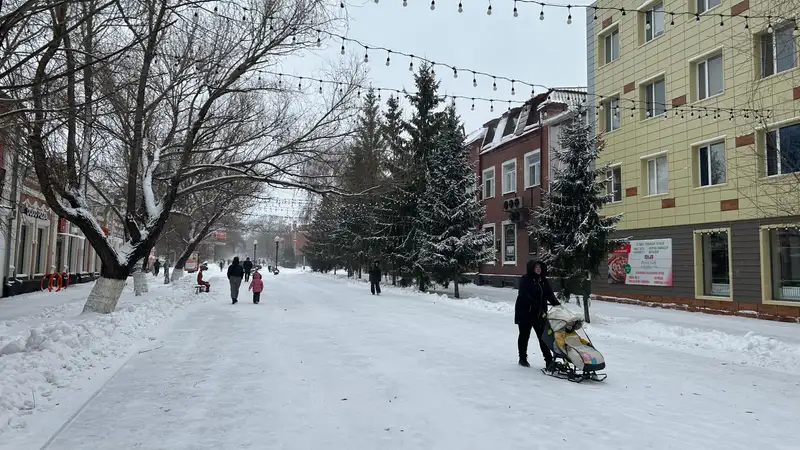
38 360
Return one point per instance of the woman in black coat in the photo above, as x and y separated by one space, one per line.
534 295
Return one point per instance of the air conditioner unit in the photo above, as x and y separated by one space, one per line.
512 204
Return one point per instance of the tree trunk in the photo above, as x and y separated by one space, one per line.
106 292
394 273
455 283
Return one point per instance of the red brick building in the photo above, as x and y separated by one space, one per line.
513 163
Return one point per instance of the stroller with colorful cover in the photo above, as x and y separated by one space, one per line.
576 359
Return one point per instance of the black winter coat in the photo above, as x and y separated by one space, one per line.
235 271
375 274
532 299
247 266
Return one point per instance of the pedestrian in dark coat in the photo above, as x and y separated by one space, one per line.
156 266
235 274
247 265
529 311
375 278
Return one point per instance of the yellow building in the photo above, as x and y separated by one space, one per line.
698 102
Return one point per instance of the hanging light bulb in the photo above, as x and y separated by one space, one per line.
491 105
343 48
460 7
433 5
455 72
473 105
474 80
595 13
388 59
796 32
320 86
672 18
647 25
513 91
746 24
533 91
376 1
569 17
489 10
541 13
411 65
769 27
341 5
516 13
405 3
494 83
300 84
366 54
721 20
319 41
623 11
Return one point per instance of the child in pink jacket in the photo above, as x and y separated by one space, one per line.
256 285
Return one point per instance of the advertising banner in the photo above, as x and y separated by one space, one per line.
191 263
643 263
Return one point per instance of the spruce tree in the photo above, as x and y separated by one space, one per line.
423 131
450 240
574 236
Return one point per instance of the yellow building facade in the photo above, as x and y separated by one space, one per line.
698 103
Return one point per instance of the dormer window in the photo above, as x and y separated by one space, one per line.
511 123
490 130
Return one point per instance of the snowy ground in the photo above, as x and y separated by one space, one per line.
320 363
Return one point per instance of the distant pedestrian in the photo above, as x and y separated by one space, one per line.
235 274
375 278
257 285
156 267
247 265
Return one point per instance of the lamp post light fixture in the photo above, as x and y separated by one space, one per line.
277 241
255 248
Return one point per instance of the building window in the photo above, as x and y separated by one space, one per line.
511 122
533 246
715 268
533 169
614 184
783 150
709 77
784 248
611 46
655 99
489 229
40 246
22 249
510 176
653 22
488 183
705 5
711 164
657 175
509 243
611 114
778 52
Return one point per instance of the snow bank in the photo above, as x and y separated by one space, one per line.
748 348
38 360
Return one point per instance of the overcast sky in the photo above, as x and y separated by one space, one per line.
548 52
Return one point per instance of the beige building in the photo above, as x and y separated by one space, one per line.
699 107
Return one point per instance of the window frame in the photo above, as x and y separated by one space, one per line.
506 223
646 160
511 189
526 166
608 43
697 161
776 128
767 296
610 176
773 38
699 268
484 178
646 86
706 81
21 256
651 9
706 8
609 112
493 226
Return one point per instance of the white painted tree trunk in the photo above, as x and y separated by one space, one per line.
166 273
138 282
176 274
104 296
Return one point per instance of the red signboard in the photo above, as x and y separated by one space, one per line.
62 225
220 235
105 230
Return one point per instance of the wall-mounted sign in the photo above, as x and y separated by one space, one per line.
35 213
643 263
62 225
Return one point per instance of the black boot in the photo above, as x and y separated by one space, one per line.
523 361
550 366
233 301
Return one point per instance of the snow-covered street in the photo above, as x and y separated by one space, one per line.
321 363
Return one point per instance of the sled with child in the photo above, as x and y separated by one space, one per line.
576 358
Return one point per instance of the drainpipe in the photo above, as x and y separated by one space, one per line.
14 205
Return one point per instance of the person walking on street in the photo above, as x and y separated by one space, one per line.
156 267
375 278
530 309
257 285
247 265
235 274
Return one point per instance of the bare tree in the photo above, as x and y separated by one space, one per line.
148 86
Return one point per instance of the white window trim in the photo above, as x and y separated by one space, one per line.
606 33
513 188
645 160
527 172
646 85
696 64
766 269
696 152
607 109
697 244
707 8
503 245
483 182
766 132
775 28
644 9
622 195
494 242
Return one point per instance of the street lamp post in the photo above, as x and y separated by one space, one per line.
255 247
277 241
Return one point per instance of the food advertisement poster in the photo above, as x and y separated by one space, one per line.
643 263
